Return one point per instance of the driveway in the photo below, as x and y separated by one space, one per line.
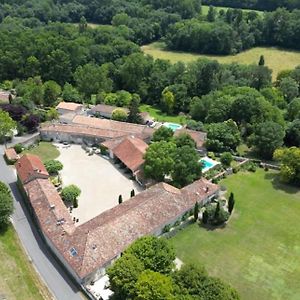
51 273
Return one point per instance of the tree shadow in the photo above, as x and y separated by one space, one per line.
210 227
278 185
3 229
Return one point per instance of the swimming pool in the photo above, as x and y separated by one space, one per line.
208 163
173 126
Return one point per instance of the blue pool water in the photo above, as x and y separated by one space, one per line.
173 126
207 164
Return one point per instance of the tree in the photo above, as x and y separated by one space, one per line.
119 114
167 101
184 139
31 122
123 275
217 211
159 160
223 136
261 61
7 125
211 15
53 166
154 286
70 194
71 94
82 24
120 199
196 211
292 137
205 217
190 279
156 254
92 79
134 112
226 159
163 133
267 137
52 114
231 202
289 88
289 159
215 289
186 168
293 109
51 92
132 193
6 205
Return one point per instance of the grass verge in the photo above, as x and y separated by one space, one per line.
18 278
258 251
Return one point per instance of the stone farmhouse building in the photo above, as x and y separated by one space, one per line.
86 250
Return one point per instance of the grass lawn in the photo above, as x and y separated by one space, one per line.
18 279
258 251
159 116
275 59
44 150
205 9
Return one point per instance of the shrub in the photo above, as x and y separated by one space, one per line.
6 205
166 228
53 166
70 194
18 148
211 155
226 159
236 169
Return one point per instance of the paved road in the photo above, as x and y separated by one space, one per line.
51 273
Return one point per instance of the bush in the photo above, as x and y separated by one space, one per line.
166 228
226 159
211 155
70 194
53 166
236 169
6 205
18 148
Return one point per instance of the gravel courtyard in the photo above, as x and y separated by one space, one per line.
100 181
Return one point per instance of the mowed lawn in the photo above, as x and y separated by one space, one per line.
18 280
159 116
258 252
46 151
275 59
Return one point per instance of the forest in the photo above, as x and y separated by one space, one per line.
46 58
268 5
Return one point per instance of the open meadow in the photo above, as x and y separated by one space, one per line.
275 59
258 251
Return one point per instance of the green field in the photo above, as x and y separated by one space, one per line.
258 251
159 116
44 150
205 9
275 59
18 280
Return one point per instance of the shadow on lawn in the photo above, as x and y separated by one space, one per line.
274 178
4 229
209 227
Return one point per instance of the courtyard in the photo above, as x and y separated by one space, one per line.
101 182
258 251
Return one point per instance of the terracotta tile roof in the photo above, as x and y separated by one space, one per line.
108 109
11 154
111 144
198 136
69 106
95 243
105 132
131 152
30 167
